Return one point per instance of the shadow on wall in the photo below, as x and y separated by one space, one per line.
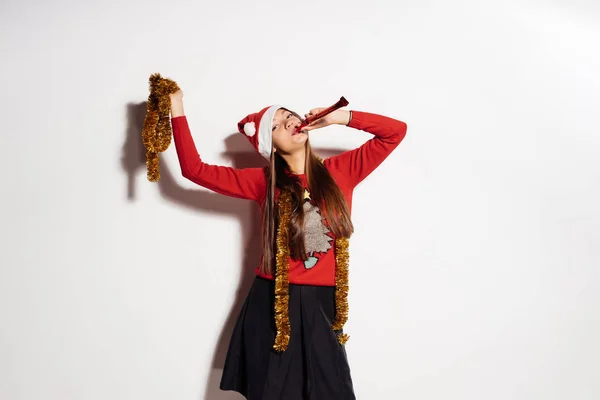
133 162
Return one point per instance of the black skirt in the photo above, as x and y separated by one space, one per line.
314 366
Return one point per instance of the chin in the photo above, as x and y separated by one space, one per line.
301 137
301 143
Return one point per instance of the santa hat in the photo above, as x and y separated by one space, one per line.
257 128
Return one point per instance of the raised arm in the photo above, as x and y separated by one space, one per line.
357 164
246 183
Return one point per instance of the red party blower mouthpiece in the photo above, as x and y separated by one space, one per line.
309 120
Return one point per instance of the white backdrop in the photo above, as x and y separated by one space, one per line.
474 268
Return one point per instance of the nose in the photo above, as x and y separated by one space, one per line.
292 122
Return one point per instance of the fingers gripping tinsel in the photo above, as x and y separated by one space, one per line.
282 286
156 134
342 258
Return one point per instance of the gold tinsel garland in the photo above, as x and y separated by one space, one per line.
282 294
282 267
342 258
156 134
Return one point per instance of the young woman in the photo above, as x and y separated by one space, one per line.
288 342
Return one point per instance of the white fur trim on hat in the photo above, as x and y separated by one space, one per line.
249 128
265 132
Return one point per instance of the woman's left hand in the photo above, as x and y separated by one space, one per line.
339 117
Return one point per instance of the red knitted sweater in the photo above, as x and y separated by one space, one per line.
347 169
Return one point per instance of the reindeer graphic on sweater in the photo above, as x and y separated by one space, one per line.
317 239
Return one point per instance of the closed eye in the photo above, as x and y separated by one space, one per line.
276 126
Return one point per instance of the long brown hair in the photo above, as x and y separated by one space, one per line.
323 190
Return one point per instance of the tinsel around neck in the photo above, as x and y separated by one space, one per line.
282 294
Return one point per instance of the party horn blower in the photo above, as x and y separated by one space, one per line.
309 120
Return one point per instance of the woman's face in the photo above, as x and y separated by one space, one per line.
285 138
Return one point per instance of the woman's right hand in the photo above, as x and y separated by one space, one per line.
176 104
177 96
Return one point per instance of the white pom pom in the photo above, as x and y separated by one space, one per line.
249 128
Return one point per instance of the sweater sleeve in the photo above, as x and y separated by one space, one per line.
357 164
246 183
